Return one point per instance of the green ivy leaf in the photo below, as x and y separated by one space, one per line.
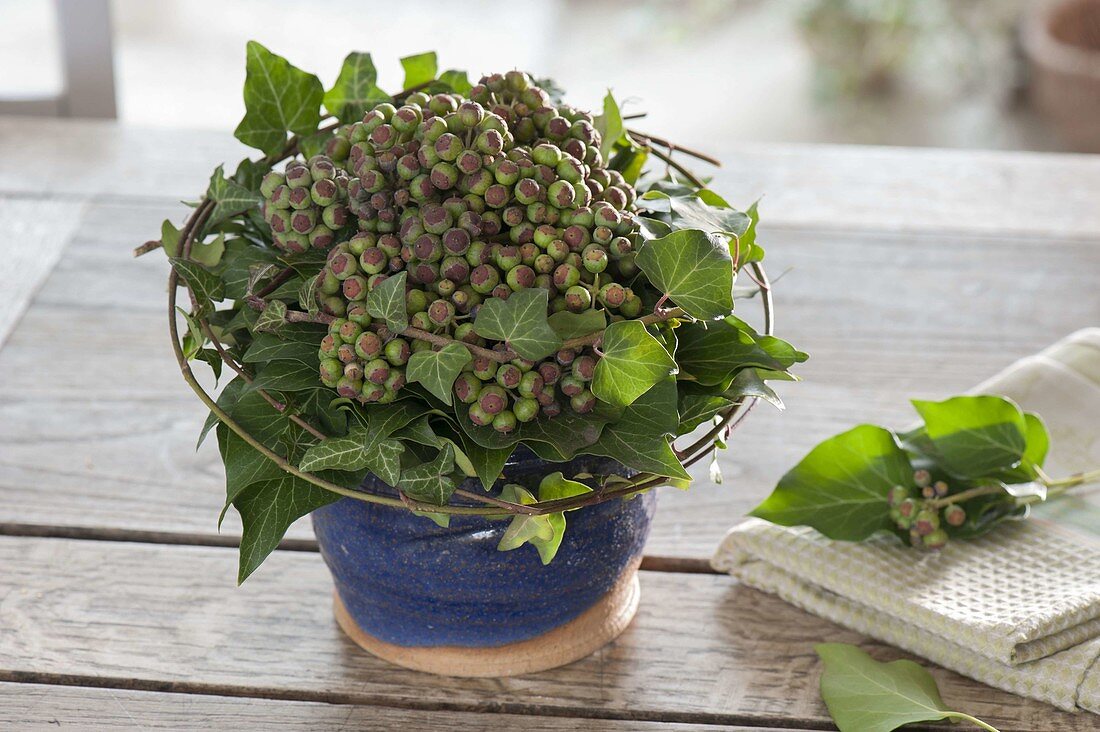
356 89
230 198
633 361
864 695
554 487
213 359
206 285
286 376
712 352
703 209
1037 440
267 510
568 324
639 439
457 81
840 488
193 339
307 296
431 482
419 69
699 407
272 318
240 258
387 301
693 269
207 254
278 98
975 436
437 370
747 248
521 322
487 462
268 347
523 528
610 125
359 449
750 383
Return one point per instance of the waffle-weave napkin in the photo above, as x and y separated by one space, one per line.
1018 609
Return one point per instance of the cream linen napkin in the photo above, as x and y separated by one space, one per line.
1018 609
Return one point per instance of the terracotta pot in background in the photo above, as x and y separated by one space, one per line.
1061 40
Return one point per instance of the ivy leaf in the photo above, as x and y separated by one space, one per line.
272 318
230 198
750 383
457 81
840 488
693 269
419 69
267 347
267 510
278 98
437 370
747 248
286 376
356 89
431 482
633 361
568 324
864 695
711 352
359 449
523 528
554 487
698 407
975 436
521 322
213 359
610 125
208 253
639 439
387 301
240 258
703 209
487 462
1037 440
307 296
206 285
193 339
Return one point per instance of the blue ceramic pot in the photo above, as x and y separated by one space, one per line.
407 583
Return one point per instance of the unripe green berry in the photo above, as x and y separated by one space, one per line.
954 515
331 371
578 298
467 387
484 368
372 392
583 403
594 258
493 399
504 422
525 409
368 345
397 352
376 371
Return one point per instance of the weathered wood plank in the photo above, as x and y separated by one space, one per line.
35 232
819 186
31 707
885 316
154 617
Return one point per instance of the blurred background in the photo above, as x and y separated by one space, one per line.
1008 74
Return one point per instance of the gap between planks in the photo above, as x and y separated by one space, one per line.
512 708
650 563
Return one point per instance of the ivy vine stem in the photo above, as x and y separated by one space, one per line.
963 717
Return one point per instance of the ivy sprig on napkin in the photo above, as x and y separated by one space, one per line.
973 462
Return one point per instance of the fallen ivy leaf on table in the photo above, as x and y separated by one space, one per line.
864 695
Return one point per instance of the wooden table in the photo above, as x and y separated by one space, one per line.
913 273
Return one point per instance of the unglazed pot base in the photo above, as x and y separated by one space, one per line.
585 634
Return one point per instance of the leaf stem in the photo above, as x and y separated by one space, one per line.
973 720
982 490
1072 481
647 138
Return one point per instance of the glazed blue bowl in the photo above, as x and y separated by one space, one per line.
408 582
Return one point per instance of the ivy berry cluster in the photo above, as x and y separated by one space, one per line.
920 510
473 198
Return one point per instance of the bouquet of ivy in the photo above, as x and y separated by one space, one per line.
416 284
